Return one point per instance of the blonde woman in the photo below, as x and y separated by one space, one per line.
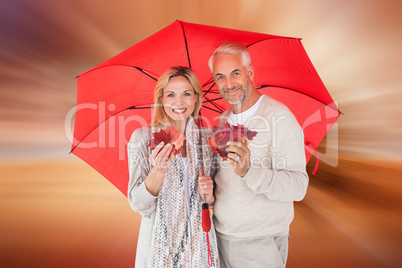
167 193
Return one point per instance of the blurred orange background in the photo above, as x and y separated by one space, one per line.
56 211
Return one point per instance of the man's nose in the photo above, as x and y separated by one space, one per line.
229 83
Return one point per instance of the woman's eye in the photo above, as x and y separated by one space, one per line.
170 95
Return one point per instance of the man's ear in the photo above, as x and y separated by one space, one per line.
250 72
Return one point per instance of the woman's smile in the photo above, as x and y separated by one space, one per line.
179 110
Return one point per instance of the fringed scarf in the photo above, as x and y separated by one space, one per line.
172 245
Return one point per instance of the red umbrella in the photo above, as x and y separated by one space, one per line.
116 97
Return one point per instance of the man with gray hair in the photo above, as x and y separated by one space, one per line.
256 187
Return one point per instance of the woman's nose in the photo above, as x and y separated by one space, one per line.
178 100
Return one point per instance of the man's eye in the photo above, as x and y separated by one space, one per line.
235 74
219 77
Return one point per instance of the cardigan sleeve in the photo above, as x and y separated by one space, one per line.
285 179
139 167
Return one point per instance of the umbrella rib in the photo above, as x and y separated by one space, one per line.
136 108
185 41
142 71
125 65
213 92
209 82
288 88
277 37
129 108
211 101
209 89
218 111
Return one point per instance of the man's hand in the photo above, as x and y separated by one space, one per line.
239 157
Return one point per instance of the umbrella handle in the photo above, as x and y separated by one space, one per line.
206 217
206 226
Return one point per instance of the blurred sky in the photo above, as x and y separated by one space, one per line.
45 44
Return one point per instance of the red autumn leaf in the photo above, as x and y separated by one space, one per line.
168 135
221 135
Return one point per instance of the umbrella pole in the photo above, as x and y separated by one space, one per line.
206 215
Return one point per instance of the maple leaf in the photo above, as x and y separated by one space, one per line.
168 135
221 135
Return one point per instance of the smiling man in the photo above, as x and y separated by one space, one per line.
254 191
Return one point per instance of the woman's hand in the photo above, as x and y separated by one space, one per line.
206 187
160 165
160 158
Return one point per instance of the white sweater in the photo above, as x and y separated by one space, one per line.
261 203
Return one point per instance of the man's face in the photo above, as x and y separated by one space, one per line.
232 78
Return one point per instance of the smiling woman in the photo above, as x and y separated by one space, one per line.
178 88
167 191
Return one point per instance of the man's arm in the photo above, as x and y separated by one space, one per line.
286 178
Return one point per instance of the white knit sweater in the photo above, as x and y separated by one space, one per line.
261 203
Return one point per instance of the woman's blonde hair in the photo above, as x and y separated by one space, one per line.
161 119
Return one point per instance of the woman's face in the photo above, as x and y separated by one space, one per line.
178 100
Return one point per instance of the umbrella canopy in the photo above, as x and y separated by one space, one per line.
116 97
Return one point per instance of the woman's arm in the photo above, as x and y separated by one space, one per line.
146 171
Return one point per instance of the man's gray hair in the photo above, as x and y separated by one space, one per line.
231 48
